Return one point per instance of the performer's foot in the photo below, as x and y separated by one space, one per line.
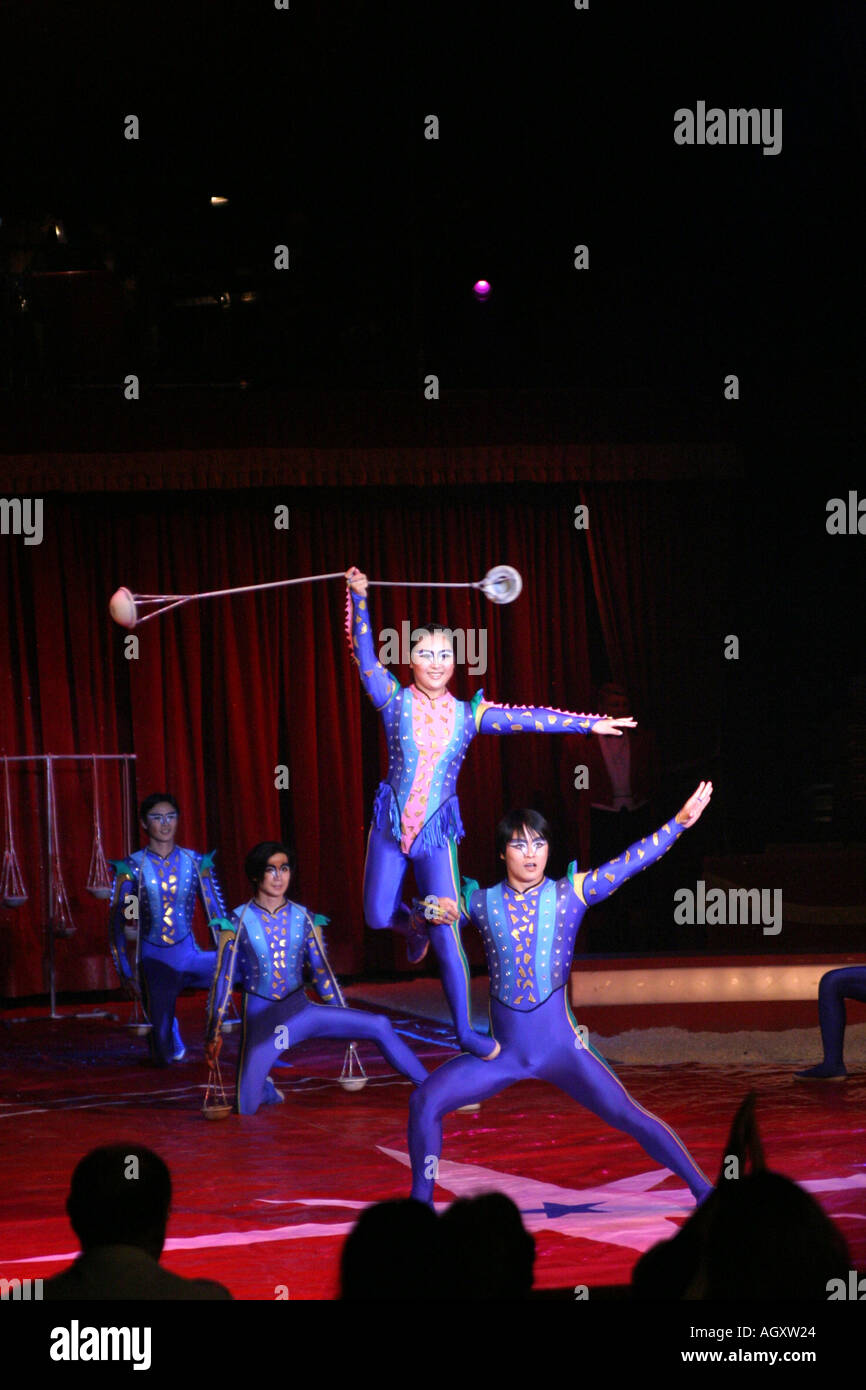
271 1095
469 1109
417 943
823 1072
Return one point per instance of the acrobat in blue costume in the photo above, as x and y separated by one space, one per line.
529 940
416 816
835 987
265 953
169 957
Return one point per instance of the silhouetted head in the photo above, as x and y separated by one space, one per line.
486 1250
769 1238
120 1195
392 1254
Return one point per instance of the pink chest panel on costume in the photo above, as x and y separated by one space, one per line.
432 730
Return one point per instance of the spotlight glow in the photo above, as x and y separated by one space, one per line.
481 289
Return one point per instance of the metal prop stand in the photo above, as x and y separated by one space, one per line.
58 919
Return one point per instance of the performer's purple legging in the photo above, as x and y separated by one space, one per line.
165 971
835 987
542 1043
262 1039
436 872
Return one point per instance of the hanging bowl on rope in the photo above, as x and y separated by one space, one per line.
13 893
216 1104
99 878
352 1077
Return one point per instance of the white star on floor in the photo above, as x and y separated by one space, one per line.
625 1212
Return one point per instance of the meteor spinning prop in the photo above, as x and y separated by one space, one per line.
502 584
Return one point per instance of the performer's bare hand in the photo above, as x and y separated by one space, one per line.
212 1050
614 726
694 808
356 581
448 911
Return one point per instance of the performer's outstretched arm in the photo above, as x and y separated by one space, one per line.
492 718
379 684
122 891
598 884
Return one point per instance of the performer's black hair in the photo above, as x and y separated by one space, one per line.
427 627
256 861
149 802
516 820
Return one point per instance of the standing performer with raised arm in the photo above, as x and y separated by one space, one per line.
164 880
529 925
264 949
416 817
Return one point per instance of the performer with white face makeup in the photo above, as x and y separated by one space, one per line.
416 816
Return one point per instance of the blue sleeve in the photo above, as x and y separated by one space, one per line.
223 979
491 718
380 685
317 960
211 893
123 888
598 884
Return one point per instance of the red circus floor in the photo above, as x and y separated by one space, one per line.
264 1201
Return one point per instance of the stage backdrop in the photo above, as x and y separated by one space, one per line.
223 694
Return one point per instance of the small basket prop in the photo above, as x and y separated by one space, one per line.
217 1105
352 1077
138 1023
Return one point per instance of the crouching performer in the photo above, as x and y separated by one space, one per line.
158 887
264 949
529 924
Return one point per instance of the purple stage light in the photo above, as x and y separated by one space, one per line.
481 289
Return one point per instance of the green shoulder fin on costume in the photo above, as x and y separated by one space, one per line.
122 868
319 920
468 887
223 923
207 860
572 869
476 700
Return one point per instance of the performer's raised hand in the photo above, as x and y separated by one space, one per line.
694 808
614 726
448 911
356 580
212 1050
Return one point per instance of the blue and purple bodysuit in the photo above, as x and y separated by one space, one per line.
416 815
266 953
169 959
529 941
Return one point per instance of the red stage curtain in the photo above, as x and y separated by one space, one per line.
225 691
